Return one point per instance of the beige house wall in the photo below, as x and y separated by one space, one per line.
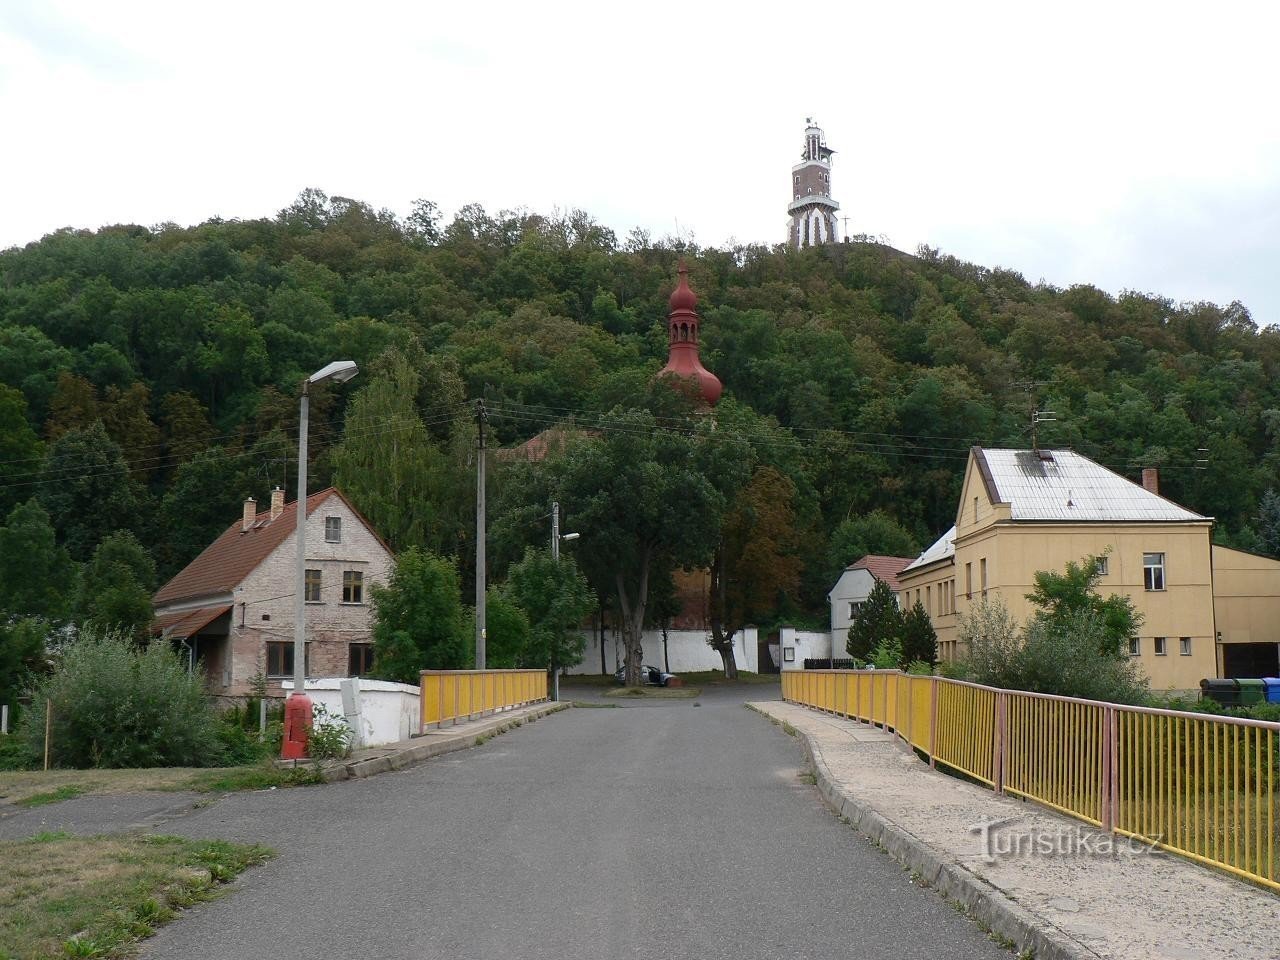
996 556
1246 597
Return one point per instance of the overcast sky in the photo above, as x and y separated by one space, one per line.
1122 144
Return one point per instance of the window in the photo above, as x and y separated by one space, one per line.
359 659
311 586
332 529
1102 566
982 563
280 659
1160 648
797 178
968 579
352 586
1153 571
975 509
1135 646
1184 646
928 599
789 654
854 607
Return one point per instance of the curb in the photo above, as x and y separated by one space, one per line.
421 752
990 907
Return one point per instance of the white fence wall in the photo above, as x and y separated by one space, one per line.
685 651
805 644
386 712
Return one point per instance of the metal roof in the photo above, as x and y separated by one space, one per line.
1061 485
944 547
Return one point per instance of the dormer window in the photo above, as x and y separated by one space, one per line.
332 529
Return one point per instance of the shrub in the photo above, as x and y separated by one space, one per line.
887 655
330 736
14 754
119 705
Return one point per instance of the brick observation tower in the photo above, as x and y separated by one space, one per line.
813 212
683 361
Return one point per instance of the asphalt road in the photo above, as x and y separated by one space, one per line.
654 830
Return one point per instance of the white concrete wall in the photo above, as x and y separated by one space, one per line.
854 586
387 712
687 651
807 644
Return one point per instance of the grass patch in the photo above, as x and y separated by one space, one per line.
22 786
654 693
593 705
64 896
65 792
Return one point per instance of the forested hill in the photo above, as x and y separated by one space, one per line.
188 344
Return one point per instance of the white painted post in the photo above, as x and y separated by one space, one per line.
350 688
4 718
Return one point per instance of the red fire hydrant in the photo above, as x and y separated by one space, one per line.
297 727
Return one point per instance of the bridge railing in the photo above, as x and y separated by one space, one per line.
1199 785
449 696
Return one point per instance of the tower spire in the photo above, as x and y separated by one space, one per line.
813 212
683 361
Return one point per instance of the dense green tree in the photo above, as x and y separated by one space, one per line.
21 452
116 586
1062 596
919 641
556 598
87 490
204 499
755 561
875 533
879 620
418 621
506 631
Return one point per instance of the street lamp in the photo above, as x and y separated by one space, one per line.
297 713
556 537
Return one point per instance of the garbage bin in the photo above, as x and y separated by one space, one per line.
1226 692
1252 691
1272 685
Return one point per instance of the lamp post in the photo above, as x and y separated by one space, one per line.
556 537
297 714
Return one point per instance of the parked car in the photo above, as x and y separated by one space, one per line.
651 676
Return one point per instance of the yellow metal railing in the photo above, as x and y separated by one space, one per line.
452 695
1204 786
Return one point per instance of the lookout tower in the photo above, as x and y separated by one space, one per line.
813 212
683 361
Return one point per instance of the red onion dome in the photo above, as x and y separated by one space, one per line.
682 297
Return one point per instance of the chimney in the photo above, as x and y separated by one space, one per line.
277 502
250 515
1151 479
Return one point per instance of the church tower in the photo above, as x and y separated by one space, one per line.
683 361
813 212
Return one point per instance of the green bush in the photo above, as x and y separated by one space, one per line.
1068 655
330 737
14 754
119 705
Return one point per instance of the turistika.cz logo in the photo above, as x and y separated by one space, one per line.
997 842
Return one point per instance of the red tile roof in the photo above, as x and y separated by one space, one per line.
187 623
235 554
885 569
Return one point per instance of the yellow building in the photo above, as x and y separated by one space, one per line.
1246 608
1022 511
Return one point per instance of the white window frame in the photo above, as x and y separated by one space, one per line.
1184 646
1161 646
332 529
1153 572
1103 569
1135 646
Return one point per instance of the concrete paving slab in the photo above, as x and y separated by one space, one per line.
1047 882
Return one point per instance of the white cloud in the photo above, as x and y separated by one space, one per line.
1125 144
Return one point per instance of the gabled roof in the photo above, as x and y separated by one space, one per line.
943 547
187 623
1061 485
885 569
235 554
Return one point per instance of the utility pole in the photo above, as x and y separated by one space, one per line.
555 532
480 535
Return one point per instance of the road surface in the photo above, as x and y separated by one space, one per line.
662 829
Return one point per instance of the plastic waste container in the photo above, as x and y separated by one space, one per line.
1272 685
1252 691
1226 692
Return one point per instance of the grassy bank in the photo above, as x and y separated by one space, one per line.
63 896
36 787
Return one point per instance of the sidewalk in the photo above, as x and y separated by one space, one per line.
1048 883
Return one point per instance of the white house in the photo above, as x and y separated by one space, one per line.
853 588
231 608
